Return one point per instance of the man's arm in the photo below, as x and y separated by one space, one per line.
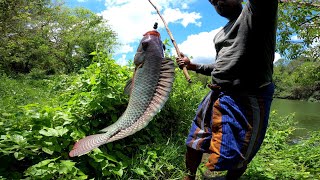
204 69
263 6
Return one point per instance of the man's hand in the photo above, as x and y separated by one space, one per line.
185 61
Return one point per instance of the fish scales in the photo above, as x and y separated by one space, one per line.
145 82
149 90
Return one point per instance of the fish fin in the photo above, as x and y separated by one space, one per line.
167 73
128 87
164 85
85 145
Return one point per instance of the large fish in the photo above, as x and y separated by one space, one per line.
149 90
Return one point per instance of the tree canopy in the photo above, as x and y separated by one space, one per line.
49 37
299 29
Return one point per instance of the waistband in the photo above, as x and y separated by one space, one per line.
242 89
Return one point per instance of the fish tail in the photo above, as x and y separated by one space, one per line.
88 143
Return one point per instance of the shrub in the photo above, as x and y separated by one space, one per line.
280 159
38 130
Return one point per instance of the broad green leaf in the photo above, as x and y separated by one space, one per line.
19 156
55 132
6 114
19 139
68 163
111 158
66 166
45 162
118 172
47 150
93 53
140 171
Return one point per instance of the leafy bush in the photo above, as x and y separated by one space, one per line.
280 159
39 134
38 129
297 79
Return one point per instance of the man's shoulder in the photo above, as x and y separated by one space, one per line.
265 6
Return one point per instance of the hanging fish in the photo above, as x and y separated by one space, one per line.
149 90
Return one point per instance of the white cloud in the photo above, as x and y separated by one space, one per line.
175 15
123 49
122 60
130 19
315 42
200 47
277 56
184 6
296 38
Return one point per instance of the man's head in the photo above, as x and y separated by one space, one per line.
229 9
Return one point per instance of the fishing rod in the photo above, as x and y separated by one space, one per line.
184 68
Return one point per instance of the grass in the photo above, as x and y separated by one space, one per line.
22 91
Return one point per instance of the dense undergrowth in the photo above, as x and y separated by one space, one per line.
42 117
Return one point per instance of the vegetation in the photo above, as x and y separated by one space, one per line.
298 29
58 83
48 37
298 75
280 159
298 79
36 137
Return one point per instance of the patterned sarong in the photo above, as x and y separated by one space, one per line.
231 127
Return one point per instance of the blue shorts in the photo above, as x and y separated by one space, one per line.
231 127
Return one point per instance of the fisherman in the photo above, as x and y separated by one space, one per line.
231 121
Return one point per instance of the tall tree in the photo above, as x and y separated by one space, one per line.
75 33
50 37
299 29
16 29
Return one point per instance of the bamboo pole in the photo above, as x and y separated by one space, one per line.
185 71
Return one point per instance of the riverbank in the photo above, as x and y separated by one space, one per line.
314 97
310 93
306 115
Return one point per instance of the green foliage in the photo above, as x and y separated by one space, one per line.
42 116
159 161
36 134
297 79
51 169
44 37
279 159
300 19
297 76
19 91
183 102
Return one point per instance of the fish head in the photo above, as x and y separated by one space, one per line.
150 43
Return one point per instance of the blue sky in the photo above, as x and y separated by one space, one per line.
193 23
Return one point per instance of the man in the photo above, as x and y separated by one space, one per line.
232 119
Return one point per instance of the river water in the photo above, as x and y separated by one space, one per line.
307 114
